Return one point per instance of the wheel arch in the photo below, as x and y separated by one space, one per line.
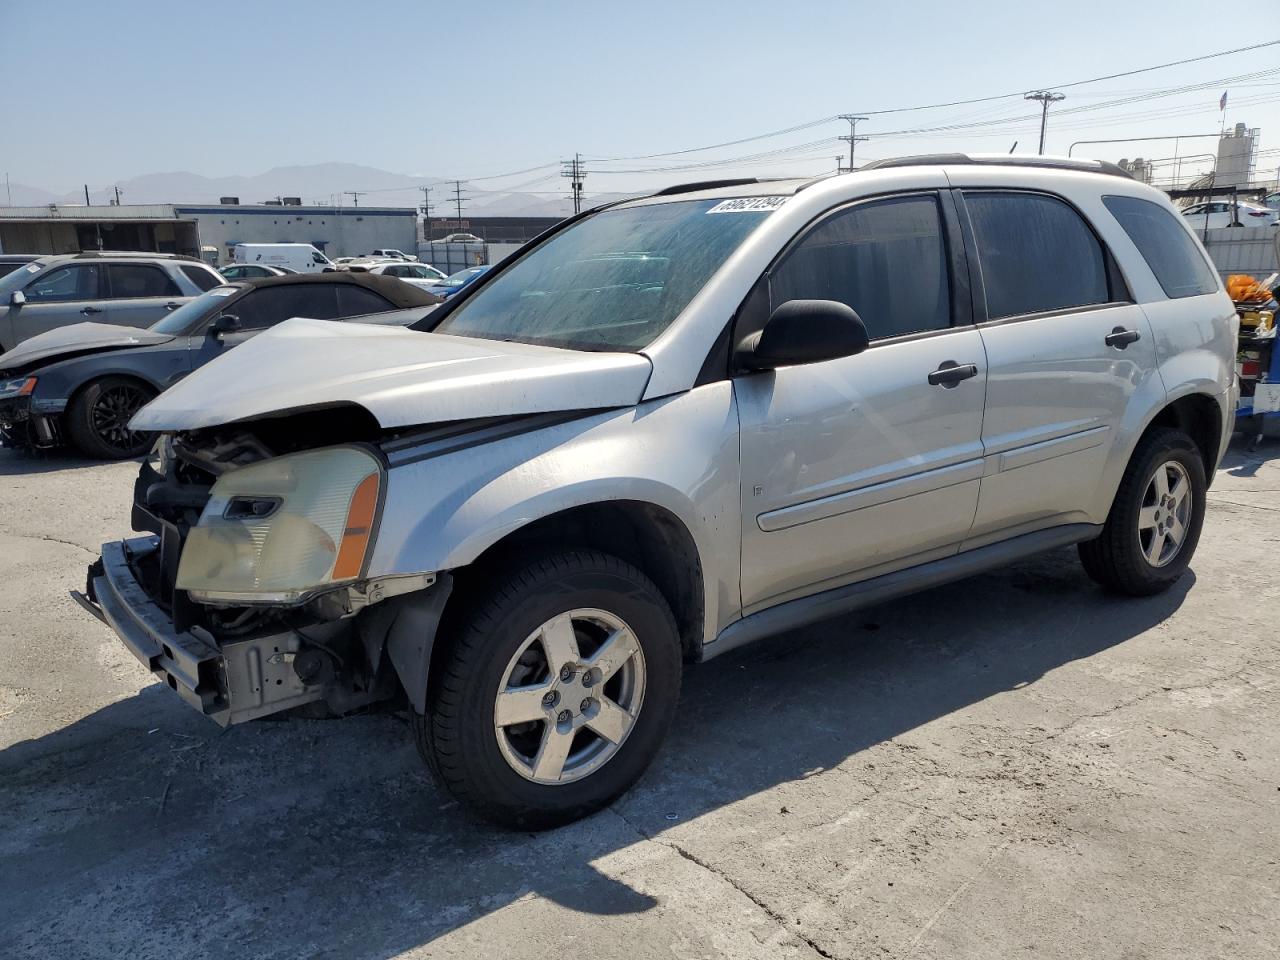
1199 416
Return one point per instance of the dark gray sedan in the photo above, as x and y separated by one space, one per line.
83 383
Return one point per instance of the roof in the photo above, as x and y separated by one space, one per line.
999 160
401 294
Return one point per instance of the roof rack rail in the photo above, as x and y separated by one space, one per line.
704 185
91 254
999 159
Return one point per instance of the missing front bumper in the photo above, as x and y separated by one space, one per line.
230 682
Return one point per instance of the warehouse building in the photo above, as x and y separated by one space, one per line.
210 230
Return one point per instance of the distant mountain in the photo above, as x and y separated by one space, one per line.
327 183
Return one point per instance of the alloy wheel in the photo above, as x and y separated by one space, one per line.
1165 513
111 413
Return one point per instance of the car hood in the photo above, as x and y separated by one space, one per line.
79 338
403 377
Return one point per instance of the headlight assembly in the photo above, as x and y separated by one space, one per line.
278 530
19 387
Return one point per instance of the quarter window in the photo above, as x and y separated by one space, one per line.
1037 254
77 282
354 301
134 280
1164 243
202 278
886 259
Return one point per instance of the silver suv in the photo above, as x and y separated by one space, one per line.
671 426
125 289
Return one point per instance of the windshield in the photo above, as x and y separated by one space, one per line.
461 277
181 320
615 281
17 280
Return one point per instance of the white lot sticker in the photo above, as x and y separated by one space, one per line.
748 205
33 268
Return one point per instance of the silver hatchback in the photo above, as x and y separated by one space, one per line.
669 427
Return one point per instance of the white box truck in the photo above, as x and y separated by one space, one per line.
299 257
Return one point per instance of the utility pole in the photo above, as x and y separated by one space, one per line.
117 189
840 164
7 191
1045 97
572 169
355 196
853 137
457 200
86 196
426 201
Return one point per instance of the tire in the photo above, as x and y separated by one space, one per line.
97 416
1121 559
480 762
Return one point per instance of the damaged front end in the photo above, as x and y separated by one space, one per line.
249 595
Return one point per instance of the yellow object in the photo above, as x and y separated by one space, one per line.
1242 288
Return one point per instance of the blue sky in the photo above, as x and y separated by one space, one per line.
100 91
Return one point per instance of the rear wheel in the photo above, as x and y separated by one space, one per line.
98 418
1154 524
557 693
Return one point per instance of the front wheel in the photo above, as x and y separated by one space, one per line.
557 693
1154 524
98 418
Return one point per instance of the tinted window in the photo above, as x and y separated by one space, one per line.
268 306
202 278
393 271
1037 254
353 301
1163 242
886 259
130 280
77 282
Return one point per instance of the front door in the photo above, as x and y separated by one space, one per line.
1066 349
857 466
58 298
140 294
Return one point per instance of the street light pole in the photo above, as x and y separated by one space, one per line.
1045 97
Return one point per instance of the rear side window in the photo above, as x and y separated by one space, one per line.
202 278
268 306
1037 254
886 259
1162 240
132 280
354 301
77 282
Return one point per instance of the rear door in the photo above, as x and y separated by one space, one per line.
59 297
139 294
1066 348
858 465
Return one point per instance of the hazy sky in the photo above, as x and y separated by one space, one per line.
102 91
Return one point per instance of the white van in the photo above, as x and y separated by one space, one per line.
299 257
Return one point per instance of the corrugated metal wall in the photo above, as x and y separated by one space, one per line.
1251 250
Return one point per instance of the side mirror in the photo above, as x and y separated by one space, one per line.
224 323
805 331
17 298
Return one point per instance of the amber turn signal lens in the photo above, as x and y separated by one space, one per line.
359 528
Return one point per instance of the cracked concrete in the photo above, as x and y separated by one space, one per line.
1018 765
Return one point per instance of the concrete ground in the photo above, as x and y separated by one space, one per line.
1017 765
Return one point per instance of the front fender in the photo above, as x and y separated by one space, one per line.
57 382
679 453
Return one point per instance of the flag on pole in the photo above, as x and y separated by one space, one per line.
1222 104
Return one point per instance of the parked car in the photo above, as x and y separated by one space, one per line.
672 426
82 384
1272 200
126 289
299 257
10 262
390 253
1219 213
418 274
254 271
454 283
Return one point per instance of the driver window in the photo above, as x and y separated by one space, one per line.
886 259
76 282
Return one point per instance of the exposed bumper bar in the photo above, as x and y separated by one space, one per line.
229 683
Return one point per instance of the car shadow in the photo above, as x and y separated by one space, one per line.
1243 459
143 824
15 462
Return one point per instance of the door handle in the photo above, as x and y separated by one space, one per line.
172 306
950 373
1121 338
90 311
